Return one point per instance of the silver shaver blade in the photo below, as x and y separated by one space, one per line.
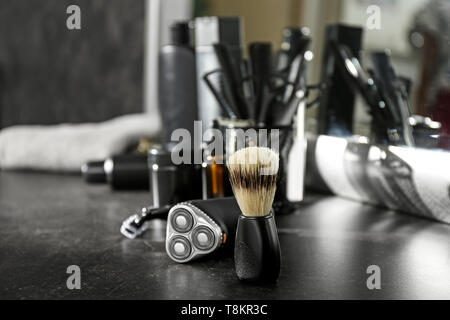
191 233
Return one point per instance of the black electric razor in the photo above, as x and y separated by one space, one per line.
199 227
194 228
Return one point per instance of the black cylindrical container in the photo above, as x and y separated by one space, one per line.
127 172
257 254
122 172
170 183
285 135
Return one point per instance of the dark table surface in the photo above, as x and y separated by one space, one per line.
48 222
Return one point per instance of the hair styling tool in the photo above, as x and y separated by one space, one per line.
261 60
295 73
296 92
290 77
232 78
395 94
248 88
209 31
384 94
293 76
219 93
336 110
295 40
364 83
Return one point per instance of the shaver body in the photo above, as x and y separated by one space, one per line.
197 228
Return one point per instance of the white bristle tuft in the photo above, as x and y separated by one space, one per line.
253 174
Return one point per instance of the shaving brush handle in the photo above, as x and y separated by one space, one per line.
257 255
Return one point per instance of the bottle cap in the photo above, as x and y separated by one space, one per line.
179 33
94 172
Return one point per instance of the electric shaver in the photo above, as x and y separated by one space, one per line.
199 227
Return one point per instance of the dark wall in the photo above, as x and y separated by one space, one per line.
49 74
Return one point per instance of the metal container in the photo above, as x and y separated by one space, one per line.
170 183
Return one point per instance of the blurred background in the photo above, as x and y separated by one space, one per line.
49 74
368 79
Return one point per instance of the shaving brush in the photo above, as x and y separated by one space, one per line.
253 174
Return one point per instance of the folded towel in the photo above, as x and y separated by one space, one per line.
66 147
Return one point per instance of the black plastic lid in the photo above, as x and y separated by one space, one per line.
179 33
224 30
94 172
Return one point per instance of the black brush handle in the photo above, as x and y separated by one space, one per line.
257 255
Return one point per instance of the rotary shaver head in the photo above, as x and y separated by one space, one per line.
191 233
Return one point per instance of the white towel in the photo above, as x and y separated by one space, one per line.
66 147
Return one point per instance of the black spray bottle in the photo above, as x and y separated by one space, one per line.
177 83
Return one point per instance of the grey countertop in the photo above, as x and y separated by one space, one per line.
48 222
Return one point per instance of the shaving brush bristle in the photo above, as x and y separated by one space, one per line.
253 175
